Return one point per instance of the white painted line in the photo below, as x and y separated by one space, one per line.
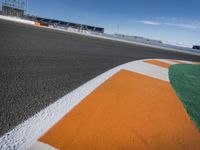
167 61
186 62
149 70
42 146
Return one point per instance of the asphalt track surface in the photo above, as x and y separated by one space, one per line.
38 66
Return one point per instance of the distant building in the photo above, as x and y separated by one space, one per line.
15 8
9 11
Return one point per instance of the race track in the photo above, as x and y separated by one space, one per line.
38 66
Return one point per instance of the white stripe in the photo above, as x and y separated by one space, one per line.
149 70
167 61
186 62
42 146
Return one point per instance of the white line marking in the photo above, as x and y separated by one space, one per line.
42 146
167 61
186 62
149 70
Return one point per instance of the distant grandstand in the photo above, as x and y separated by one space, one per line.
64 24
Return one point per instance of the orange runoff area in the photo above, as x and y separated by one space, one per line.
128 111
158 63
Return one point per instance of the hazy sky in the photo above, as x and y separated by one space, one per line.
169 20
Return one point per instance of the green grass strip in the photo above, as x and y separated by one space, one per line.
185 80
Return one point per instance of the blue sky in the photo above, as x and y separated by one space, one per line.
168 20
